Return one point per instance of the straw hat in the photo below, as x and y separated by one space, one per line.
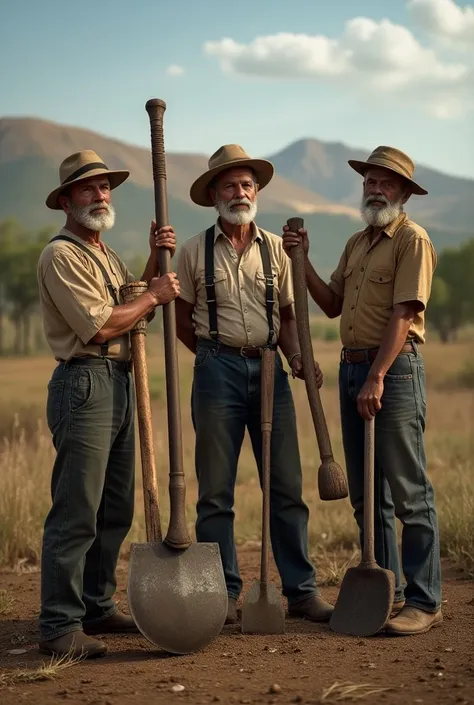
392 159
229 156
79 166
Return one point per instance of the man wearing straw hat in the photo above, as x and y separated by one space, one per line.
236 297
90 406
380 288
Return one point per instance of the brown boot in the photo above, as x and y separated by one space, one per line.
74 644
232 616
117 623
411 620
396 607
313 608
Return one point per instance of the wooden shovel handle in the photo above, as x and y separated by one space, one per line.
267 394
306 347
368 552
177 535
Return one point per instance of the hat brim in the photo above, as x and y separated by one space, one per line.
115 179
199 191
362 167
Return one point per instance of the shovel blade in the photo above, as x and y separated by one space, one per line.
262 610
178 599
364 602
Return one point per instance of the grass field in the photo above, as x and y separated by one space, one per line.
26 457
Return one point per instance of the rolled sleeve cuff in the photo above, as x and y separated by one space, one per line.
337 288
404 298
187 296
95 325
286 301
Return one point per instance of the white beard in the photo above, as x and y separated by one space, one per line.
378 216
239 216
93 221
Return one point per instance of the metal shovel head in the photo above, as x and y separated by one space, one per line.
364 602
262 610
178 599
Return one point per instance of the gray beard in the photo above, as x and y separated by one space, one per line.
238 217
97 222
380 217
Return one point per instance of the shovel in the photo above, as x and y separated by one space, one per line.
262 608
331 479
176 588
367 591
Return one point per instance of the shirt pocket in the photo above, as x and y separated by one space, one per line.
379 288
260 286
221 285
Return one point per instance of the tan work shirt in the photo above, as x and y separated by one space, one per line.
371 279
239 285
75 301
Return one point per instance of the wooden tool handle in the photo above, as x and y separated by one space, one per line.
306 347
368 553
267 394
129 292
177 535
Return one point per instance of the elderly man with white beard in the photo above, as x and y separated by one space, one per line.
236 298
90 407
381 288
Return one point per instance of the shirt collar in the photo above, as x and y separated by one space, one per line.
256 235
391 228
73 236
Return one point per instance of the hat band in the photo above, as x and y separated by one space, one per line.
395 166
83 170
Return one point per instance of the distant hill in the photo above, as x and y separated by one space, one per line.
313 180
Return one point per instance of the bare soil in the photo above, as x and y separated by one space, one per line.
299 666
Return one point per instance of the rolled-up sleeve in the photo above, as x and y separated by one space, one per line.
184 273
336 282
414 272
285 281
77 295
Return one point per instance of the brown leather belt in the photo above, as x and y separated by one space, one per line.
249 351
369 354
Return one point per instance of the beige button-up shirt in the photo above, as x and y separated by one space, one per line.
74 298
239 285
372 278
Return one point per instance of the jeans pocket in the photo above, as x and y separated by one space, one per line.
202 356
421 378
81 389
54 403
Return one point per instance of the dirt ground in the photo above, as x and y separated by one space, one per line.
297 667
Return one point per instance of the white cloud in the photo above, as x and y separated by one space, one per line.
175 70
369 56
445 18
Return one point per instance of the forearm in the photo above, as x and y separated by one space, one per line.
124 317
185 325
393 339
151 269
327 300
288 338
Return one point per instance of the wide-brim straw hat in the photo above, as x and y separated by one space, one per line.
83 165
393 160
229 156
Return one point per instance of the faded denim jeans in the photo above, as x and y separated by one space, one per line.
90 412
402 488
226 401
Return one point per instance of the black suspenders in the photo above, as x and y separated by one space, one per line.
104 348
211 289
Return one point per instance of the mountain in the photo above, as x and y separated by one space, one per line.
312 180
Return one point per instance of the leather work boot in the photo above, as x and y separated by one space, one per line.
411 620
117 623
74 644
396 607
232 616
313 608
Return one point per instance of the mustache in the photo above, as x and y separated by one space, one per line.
380 199
239 202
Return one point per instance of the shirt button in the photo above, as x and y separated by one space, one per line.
350 327
357 288
248 329
242 287
245 310
361 269
352 308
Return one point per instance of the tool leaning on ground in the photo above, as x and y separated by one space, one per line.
366 596
331 479
262 608
176 588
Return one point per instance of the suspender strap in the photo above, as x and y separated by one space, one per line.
104 348
210 281
269 288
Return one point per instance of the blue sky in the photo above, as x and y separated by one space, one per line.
261 74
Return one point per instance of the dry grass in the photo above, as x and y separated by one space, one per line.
26 457
6 602
45 672
349 692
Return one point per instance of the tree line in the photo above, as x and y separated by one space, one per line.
451 305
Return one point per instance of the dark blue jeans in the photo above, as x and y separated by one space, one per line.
226 401
402 488
90 411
